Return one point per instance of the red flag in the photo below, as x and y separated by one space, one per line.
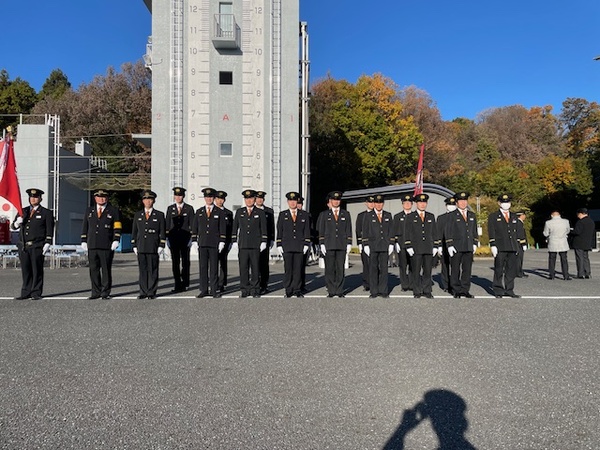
419 179
9 183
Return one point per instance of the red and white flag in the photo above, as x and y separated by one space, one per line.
9 183
419 179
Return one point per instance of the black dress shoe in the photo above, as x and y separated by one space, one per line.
406 289
217 295
141 297
256 296
287 296
243 295
36 297
176 290
457 295
330 295
152 297
587 277
341 296
93 297
106 297
22 297
498 296
417 296
551 277
513 295
568 279
581 278
202 295
300 295
469 295
384 295
372 296
524 276
428 295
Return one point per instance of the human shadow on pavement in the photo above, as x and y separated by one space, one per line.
485 283
446 413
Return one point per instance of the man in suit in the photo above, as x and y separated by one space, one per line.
422 242
462 242
179 218
335 240
584 237
264 254
378 238
36 227
360 218
403 257
441 222
293 240
507 234
148 238
249 239
557 230
100 237
208 236
220 198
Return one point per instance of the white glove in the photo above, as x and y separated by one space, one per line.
398 248
451 251
221 246
194 246
367 250
18 222
390 249
360 248
323 249
135 250
280 250
440 250
305 249
348 248
525 248
474 248
410 251
160 250
435 251
494 251
84 246
114 245
45 249
168 243
263 246
190 242
234 247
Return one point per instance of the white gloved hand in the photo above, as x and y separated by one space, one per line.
390 249
18 222
280 250
474 248
410 251
305 249
221 246
160 250
367 250
234 247
114 245
190 242
525 248
494 251
451 251
323 249
135 250
440 250
435 251
360 248
194 247
45 249
263 246
84 246
348 248
397 246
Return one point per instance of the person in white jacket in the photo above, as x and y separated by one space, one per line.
556 231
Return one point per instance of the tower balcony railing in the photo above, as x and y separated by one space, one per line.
226 32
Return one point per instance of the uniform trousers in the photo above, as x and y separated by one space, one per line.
445 271
148 264
378 273
421 273
303 276
582 261
223 268
180 263
292 276
334 271
264 269
505 272
32 271
520 258
100 261
564 264
366 272
249 270
461 265
405 270
209 270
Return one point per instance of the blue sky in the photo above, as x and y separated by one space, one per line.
468 55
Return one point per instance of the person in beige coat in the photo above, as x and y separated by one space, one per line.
556 231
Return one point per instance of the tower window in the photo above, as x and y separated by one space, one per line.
225 77
225 149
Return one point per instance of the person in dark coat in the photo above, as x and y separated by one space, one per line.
522 216
462 241
36 227
100 237
264 254
506 234
335 241
584 237
442 221
359 231
403 257
249 238
220 198
208 236
422 242
179 218
148 238
293 240
378 239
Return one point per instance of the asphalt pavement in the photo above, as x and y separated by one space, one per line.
179 372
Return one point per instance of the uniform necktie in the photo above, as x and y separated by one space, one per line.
335 214
208 211
147 214
32 212
464 214
379 216
506 216
293 216
179 210
99 212
422 216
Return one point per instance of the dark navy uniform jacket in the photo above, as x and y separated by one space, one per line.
228 225
148 234
421 235
399 228
506 236
335 235
209 231
293 236
37 230
249 231
100 232
179 225
270 215
584 234
461 234
378 235
359 226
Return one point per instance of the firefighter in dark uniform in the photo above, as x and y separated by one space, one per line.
179 218
359 231
422 244
249 237
293 240
208 236
441 222
228 215
264 254
507 234
462 242
100 237
148 239
35 237
403 257
307 254
335 240
378 239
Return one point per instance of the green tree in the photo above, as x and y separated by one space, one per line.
16 97
55 86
